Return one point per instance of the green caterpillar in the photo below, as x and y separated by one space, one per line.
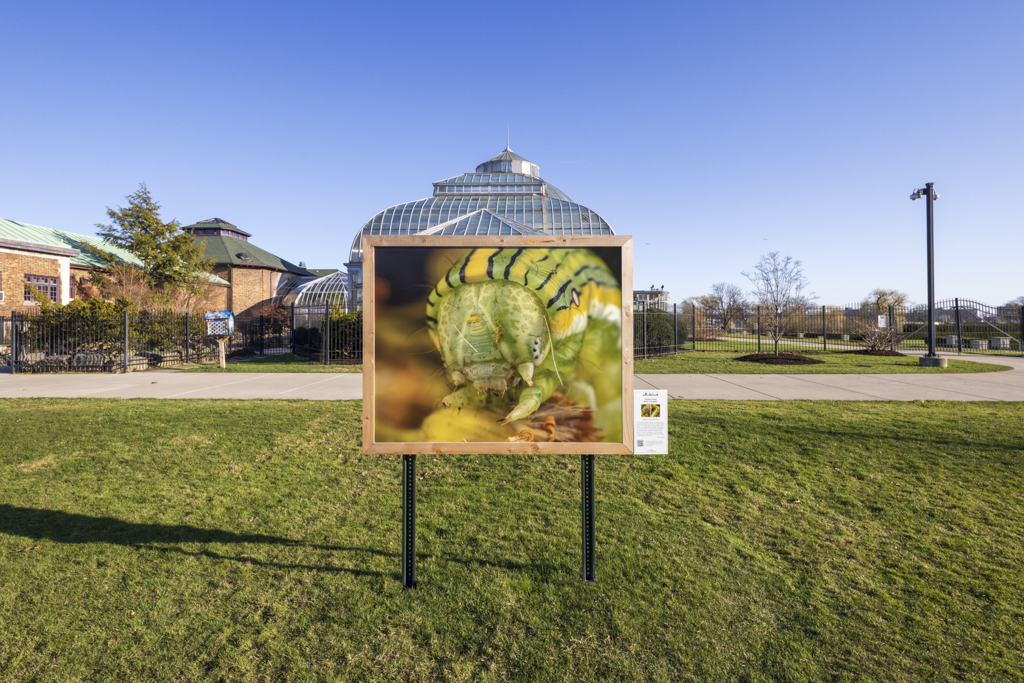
518 323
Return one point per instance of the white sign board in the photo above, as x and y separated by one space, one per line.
650 422
883 321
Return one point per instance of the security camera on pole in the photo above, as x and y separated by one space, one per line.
931 359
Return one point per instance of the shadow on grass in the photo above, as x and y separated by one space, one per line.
70 527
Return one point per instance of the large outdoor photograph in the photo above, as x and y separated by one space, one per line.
511 345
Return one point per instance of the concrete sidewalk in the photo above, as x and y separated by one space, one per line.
993 386
989 386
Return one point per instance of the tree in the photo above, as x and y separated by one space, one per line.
173 272
725 303
170 257
880 299
779 285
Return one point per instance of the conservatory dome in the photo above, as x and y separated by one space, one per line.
504 196
314 291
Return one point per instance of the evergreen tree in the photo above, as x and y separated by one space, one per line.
169 256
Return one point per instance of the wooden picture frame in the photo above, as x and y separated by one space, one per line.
374 247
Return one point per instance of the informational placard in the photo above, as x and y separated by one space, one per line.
883 321
650 422
497 344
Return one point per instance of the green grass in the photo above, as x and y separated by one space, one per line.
250 540
284 363
835 363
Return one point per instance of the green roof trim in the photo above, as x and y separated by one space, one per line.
16 231
233 251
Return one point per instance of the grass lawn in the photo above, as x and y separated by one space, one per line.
284 363
250 540
835 363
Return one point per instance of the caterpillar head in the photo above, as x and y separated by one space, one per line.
492 334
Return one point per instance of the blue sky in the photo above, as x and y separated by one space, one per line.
712 132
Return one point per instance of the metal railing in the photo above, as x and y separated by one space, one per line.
327 334
962 326
65 340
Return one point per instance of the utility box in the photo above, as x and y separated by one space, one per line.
219 323
1001 343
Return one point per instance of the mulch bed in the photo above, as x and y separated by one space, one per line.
781 359
877 352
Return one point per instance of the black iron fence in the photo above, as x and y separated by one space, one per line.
104 340
327 334
962 326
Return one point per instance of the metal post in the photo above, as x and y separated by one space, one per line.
959 331
126 341
645 329
1020 344
930 200
758 309
675 328
13 344
693 311
892 328
589 572
262 349
327 334
188 335
824 330
409 521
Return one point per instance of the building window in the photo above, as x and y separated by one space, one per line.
50 286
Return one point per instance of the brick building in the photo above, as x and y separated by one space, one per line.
255 274
56 263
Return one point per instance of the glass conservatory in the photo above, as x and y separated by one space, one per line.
314 291
504 196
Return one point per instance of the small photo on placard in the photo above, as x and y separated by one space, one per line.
650 422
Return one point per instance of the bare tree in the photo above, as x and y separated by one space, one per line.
724 303
779 285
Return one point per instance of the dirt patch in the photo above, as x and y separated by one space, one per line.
878 352
781 359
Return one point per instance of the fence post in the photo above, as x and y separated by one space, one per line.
645 329
758 309
675 328
892 327
824 330
327 335
262 349
126 341
13 345
1020 344
693 317
959 334
188 335
291 330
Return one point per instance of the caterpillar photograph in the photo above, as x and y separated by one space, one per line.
504 344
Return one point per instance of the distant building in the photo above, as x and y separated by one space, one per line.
57 263
505 196
255 275
652 298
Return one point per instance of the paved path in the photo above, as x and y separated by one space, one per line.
992 386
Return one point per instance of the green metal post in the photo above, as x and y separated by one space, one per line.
589 572
409 521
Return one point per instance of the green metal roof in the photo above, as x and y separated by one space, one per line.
235 252
16 231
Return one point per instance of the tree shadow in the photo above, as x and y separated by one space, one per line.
74 528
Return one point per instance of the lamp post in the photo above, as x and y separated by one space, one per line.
932 358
